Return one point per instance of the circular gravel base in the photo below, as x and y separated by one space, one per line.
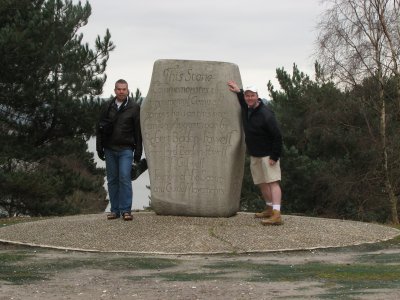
149 233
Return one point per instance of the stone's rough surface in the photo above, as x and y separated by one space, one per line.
193 139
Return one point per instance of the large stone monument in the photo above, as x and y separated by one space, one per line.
193 138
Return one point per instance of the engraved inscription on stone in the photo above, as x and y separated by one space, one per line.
193 138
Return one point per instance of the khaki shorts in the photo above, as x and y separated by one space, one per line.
262 171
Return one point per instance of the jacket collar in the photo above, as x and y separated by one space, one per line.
123 104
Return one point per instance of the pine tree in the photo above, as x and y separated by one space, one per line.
49 81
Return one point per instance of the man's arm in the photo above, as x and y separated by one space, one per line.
100 135
274 129
138 137
233 87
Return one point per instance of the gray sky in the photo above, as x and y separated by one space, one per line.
257 35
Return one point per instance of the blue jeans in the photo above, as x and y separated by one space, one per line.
118 169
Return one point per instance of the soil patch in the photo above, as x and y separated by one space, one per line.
360 272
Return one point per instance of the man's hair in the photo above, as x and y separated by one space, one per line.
120 81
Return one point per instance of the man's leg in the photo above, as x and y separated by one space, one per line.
267 196
276 195
266 192
125 183
262 174
112 171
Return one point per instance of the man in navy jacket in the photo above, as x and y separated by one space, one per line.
264 144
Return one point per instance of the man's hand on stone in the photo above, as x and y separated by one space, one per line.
233 87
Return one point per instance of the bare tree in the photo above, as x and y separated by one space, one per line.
360 39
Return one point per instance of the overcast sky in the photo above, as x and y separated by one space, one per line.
257 35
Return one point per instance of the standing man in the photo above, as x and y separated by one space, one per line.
264 144
119 142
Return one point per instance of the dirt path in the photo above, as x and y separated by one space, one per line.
359 272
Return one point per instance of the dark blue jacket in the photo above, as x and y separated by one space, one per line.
262 134
126 132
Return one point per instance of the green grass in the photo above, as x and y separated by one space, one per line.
22 268
182 276
338 279
380 258
12 269
11 257
142 263
314 271
20 274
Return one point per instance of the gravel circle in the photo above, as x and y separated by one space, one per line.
149 233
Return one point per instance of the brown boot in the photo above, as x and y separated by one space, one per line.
274 220
264 214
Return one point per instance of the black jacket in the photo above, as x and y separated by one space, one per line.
262 134
126 132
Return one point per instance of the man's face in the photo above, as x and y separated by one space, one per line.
251 99
121 91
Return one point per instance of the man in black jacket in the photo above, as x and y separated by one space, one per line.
264 144
119 142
